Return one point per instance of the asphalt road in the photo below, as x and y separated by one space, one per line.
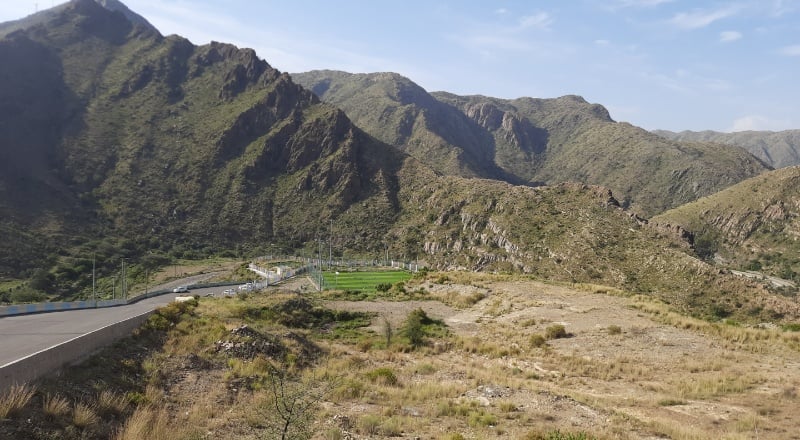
21 336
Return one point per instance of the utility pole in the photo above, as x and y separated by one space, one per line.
330 247
319 259
122 282
94 292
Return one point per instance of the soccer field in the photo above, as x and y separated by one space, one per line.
363 281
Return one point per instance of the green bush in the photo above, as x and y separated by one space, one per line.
383 287
384 375
555 332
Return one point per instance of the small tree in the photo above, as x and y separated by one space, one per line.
414 328
292 404
388 332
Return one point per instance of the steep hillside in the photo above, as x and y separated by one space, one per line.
752 225
399 112
570 232
778 149
533 141
111 130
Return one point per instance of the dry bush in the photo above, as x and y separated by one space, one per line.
55 406
149 423
84 415
109 402
15 399
538 341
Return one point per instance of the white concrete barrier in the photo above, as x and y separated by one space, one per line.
56 357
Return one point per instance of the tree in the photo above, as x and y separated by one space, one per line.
293 402
414 328
705 245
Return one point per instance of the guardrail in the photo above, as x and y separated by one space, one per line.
28 309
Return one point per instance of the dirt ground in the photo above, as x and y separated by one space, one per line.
620 373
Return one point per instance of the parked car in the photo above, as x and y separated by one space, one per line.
180 289
229 292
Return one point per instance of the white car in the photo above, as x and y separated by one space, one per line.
180 289
229 292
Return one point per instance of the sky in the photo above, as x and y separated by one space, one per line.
658 64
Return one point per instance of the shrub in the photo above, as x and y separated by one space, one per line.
383 287
538 340
84 415
15 399
480 418
555 332
383 375
55 406
614 330
369 424
109 402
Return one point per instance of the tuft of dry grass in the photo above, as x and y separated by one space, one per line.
149 423
84 415
15 399
109 402
55 406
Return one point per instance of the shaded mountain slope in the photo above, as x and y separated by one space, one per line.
535 141
399 112
778 149
752 225
109 129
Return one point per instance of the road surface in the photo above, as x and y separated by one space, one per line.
24 335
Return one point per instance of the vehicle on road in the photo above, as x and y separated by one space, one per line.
229 292
180 289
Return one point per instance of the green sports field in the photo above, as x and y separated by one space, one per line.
363 281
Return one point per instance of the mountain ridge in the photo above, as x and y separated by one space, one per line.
537 141
779 149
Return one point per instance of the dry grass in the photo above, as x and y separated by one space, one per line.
109 402
84 415
152 424
55 406
16 398
715 385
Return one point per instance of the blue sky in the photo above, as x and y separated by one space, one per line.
670 64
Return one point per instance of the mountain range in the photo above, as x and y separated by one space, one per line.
533 141
776 148
119 142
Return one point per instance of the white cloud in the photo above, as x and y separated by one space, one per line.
791 51
640 3
602 42
757 123
501 11
540 20
699 19
729 36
